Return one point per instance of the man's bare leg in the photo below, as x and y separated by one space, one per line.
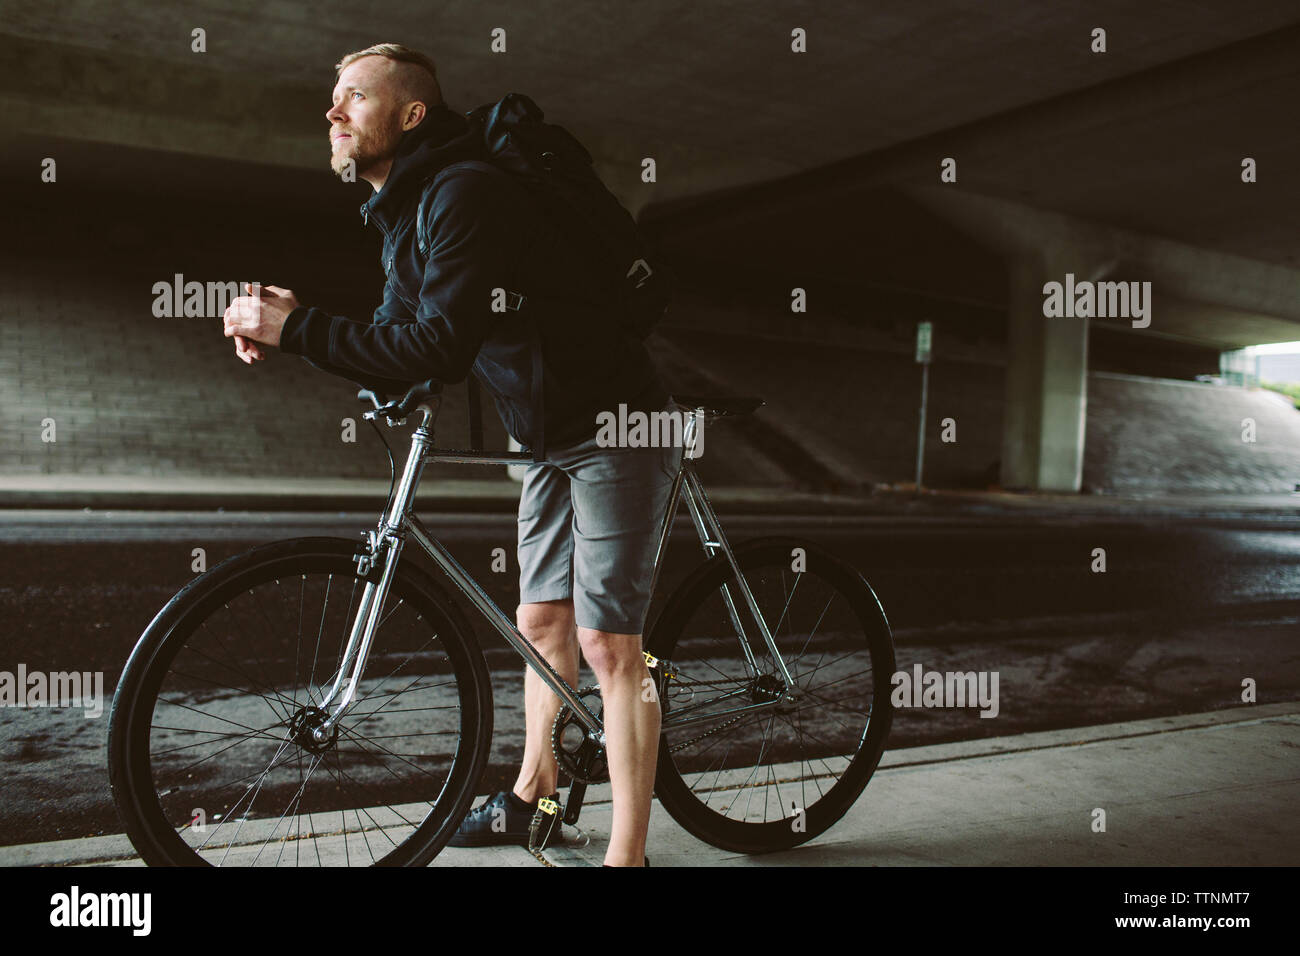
631 719
549 626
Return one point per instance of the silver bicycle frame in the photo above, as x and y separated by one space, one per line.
387 542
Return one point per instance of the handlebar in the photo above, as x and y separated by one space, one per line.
395 411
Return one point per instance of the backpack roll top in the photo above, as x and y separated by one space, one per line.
558 173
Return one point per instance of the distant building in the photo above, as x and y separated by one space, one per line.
1284 369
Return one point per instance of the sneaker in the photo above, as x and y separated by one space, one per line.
512 818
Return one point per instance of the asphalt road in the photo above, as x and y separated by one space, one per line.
1183 613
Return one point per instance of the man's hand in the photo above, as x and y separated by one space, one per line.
254 319
247 351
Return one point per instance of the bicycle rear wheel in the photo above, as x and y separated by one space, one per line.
763 780
211 759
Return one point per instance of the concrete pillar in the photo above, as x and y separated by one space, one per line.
1045 411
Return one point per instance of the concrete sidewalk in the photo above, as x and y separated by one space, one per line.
1212 789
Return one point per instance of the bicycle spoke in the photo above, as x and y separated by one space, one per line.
320 629
357 738
215 733
363 786
293 801
247 693
249 677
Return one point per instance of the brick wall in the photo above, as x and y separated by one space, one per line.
131 394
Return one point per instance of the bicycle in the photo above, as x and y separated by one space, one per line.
225 748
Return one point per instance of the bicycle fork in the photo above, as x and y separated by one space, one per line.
366 622
384 544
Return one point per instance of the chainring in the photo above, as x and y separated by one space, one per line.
584 759
581 758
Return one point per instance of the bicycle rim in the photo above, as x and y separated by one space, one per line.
757 781
211 753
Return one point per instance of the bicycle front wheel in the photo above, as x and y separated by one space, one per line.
749 762
211 756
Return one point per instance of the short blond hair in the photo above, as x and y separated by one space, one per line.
420 83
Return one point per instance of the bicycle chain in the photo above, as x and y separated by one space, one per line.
707 733
565 714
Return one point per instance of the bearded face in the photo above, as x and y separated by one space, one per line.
365 119
365 146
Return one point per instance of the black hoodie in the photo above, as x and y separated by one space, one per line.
437 320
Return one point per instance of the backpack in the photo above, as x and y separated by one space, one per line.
557 172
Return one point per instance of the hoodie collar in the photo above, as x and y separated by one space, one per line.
443 137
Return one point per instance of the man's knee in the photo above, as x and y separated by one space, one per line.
546 622
612 656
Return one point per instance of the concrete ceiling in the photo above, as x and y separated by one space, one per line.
1158 153
709 88
749 137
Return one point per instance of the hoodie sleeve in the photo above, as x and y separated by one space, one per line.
390 388
476 239
293 340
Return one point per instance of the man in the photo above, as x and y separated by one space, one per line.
587 515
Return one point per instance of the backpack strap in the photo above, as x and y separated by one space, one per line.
430 187
539 395
475 412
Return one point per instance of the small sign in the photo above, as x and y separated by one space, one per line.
923 342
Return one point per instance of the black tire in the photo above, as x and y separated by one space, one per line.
157 783
700 786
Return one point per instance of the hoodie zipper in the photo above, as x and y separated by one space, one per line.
365 215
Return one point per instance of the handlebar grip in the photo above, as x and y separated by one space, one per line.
370 395
394 410
415 395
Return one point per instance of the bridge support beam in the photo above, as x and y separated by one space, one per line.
1045 411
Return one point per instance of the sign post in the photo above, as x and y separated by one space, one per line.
923 357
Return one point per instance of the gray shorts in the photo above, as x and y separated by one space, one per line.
589 520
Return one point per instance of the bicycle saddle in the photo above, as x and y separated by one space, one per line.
720 405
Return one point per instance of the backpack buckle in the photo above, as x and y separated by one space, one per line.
642 269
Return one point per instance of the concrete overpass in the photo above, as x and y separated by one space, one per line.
818 170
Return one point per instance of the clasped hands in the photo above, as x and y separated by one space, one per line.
256 319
